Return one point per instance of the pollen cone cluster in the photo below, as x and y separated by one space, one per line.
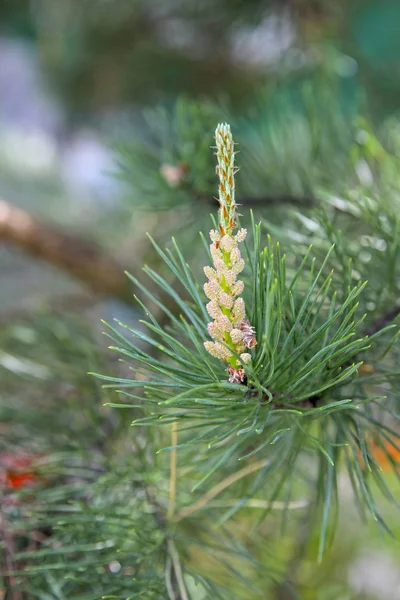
230 329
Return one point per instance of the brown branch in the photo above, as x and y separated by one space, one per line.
81 258
384 320
78 302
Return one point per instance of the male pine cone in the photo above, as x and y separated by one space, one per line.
230 329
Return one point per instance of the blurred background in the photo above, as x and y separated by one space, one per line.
77 78
107 111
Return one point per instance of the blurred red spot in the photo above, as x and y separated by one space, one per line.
16 470
16 480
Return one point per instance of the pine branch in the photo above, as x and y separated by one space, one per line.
172 479
176 564
384 320
260 201
254 201
220 487
81 258
299 382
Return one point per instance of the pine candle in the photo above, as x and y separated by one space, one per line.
230 329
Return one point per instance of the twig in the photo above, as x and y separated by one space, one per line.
168 579
177 570
384 320
81 258
172 476
256 503
77 302
260 201
251 201
222 485
9 551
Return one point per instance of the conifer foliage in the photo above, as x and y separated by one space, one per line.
307 395
298 384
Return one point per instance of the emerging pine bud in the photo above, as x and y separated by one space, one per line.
230 329
226 171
